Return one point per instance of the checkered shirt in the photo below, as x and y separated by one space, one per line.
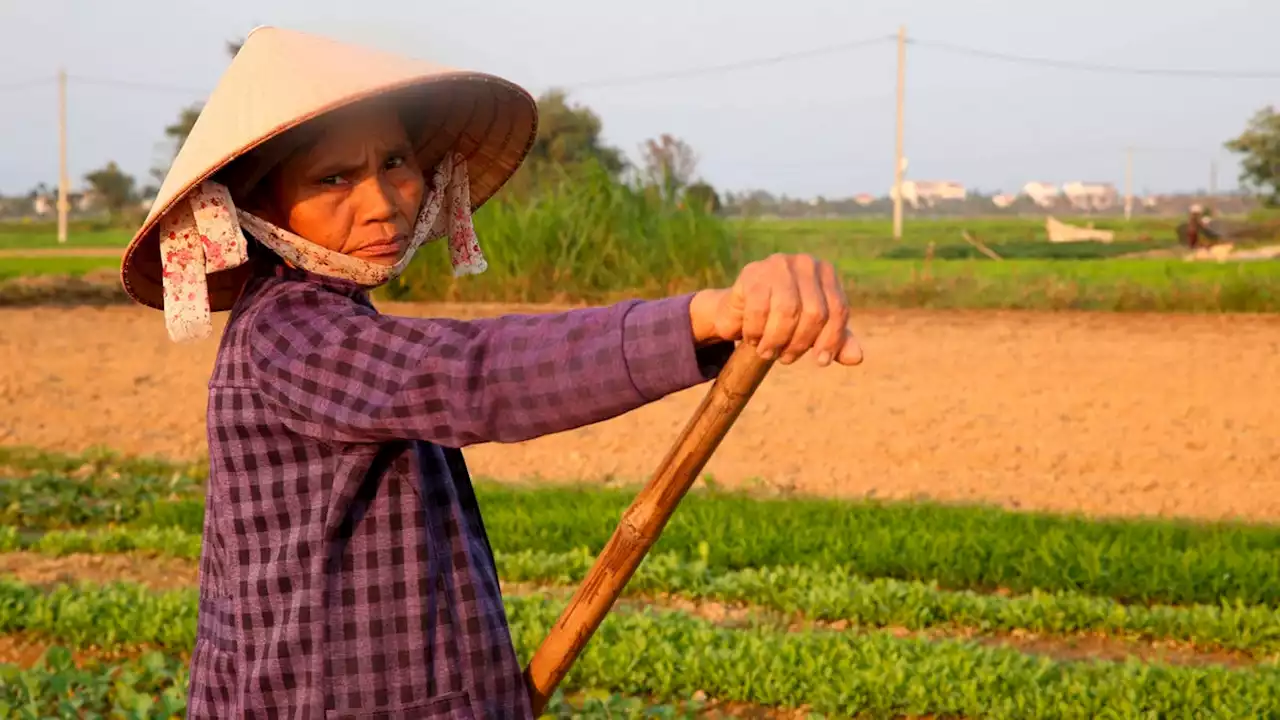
345 569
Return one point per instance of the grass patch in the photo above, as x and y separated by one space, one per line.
959 547
597 240
13 267
41 490
844 239
818 594
1114 285
581 240
100 463
151 686
670 655
878 675
839 594
1021 250
116 616
24 236
154 685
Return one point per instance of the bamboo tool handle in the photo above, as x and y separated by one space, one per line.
643 522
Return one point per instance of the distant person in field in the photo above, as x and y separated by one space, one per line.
1198 230
345 570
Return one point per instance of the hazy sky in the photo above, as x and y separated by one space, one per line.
818 125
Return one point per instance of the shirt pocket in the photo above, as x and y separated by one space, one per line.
213 682
451 706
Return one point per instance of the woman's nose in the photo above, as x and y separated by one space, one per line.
377 199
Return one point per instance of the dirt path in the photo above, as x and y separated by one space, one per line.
1106 414
156 573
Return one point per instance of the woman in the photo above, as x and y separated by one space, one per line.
345 570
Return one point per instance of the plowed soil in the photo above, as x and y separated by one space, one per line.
1104 414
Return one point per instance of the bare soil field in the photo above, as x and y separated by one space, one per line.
1106 414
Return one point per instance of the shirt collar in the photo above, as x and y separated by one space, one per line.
268 264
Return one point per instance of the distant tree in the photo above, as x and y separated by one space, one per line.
114 186
702 195
1260 146
569 144
176 133
756 202
669 163
176 136
570 134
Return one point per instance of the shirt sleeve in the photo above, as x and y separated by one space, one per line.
336 370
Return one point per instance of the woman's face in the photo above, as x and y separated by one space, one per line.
356 189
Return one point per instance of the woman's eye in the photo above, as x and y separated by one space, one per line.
331 180
395 161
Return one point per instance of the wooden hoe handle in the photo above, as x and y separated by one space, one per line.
643 522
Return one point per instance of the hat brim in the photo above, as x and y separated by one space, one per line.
488 120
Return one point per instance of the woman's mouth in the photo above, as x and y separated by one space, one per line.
391 247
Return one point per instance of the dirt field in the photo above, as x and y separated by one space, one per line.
1171 415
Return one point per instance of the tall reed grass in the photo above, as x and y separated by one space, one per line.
586 237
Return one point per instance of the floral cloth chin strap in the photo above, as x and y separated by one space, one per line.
203 235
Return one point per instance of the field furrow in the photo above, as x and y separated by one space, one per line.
959 547
792 595
749 606
671 655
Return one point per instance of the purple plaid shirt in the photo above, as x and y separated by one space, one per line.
345 570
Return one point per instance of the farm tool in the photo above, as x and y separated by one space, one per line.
643 522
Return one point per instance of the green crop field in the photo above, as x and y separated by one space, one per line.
596 244
74 266
1113 285
14 236
839 608
870 238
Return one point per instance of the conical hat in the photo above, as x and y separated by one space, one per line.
283 78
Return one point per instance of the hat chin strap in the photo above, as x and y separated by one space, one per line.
203 235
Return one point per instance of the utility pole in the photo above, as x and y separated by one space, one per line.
1128 183
63 181
897 155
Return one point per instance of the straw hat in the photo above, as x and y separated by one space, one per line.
282 78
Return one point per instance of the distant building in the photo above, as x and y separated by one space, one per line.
42 205
929 193
1090 196
1044 195
84 201
864 199
1004 200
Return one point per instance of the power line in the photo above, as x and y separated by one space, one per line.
34 82
729 67
1100 68
765 61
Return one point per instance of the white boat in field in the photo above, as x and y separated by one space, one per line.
1060 232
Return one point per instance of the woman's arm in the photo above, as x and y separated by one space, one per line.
338 371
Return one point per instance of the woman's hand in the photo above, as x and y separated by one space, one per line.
785 305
